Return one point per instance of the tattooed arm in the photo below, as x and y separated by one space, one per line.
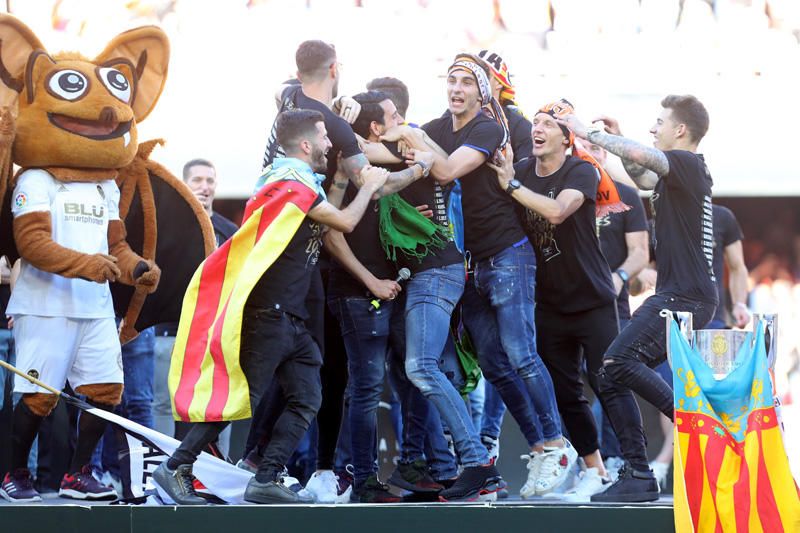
397 181
644 164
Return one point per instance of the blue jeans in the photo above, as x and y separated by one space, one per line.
138 366
367 333
422 433
493 411
499 315
431 297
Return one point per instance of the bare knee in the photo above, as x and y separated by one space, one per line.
40 404
103 393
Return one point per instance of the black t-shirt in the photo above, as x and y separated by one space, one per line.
365 243
285 284
339 132
726 232
684 238
488 224
572 274
223 228
611 230
520 129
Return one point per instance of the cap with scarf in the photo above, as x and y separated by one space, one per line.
500 72
608 199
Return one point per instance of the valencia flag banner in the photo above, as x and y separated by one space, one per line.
206 381
731 469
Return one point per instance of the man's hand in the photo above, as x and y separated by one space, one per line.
384 289
425 210
617 283
574 124
373 177
348 108
394 134
741 315
414 156
505 169
611 125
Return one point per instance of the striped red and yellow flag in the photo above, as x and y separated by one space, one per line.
206 381
731 469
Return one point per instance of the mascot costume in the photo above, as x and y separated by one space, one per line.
69 124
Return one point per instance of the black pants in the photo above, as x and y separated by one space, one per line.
273 344
630 360
563 341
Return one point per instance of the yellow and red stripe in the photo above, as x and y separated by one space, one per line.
206 380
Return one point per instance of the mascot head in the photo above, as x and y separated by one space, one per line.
77 112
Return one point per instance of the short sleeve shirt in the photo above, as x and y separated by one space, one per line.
726 232
684 234
79 217
489 223
572 274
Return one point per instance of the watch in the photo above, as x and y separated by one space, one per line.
425 168
623 276
512 186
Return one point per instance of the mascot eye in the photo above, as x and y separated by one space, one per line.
116 82
68 84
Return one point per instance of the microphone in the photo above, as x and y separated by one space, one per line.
402 275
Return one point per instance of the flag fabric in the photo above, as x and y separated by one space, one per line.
206 381
731 469
142 449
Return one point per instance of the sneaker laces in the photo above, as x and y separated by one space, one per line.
550 461
186 479
529 460
22 478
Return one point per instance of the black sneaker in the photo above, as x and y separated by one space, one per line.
373 491
275 491
474 483
632 486
178 484
17 486
82 485
414 476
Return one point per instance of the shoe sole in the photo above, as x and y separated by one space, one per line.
77 495
639 497
273 501
405 485
6 496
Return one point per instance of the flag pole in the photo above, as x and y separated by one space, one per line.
38 383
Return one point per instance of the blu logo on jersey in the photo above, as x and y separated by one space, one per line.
96 211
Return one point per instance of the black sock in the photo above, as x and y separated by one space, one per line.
90 430
26 426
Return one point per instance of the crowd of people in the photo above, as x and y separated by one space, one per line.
485 241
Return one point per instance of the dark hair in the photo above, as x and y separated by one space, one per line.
687 109
395 89
313 59
371 110
295 125
195 163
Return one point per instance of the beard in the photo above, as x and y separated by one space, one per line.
319 161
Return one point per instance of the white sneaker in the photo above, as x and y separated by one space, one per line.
589 483
323 486
613 464
534 462
660 471
556 464
492 446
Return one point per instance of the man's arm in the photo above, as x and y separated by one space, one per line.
637 158
345 220
554 210
335 243
637 259
737 282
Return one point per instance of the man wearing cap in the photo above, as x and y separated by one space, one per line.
576 300
498 307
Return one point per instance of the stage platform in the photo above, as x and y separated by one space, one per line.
512 515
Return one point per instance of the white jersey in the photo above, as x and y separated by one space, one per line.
79 215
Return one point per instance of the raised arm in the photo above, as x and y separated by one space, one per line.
737 282
345 220
643 164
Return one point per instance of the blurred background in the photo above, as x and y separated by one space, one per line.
616 57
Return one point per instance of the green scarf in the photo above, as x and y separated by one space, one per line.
403 228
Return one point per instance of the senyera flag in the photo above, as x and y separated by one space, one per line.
731 469
206 381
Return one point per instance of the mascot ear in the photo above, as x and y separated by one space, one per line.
17 42
146 51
